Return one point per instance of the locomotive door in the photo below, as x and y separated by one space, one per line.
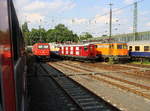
80 51
91 50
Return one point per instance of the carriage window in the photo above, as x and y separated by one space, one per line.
146 48
85 48
130 48
112 46
124 46
137 48
119 47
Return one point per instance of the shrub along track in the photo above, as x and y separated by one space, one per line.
76 69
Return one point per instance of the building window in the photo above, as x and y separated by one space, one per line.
137 48
146 48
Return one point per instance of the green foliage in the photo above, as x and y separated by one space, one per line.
38 35
25 27
143 61
59 34
85 36
26 32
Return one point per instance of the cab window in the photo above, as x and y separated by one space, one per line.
119 47
40 46
43 46
137 48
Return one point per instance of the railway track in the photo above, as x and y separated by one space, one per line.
133 87
83 99
134 70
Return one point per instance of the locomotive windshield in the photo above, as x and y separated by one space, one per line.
43 46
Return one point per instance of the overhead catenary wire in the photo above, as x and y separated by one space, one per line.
116 10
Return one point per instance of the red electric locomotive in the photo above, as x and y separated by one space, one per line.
12 60
84 51
41 51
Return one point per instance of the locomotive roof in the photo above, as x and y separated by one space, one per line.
112 43
74 44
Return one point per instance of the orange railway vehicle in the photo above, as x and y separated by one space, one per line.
115 51
41 51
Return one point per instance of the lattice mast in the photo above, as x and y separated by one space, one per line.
135 21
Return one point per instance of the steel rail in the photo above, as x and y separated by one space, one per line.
131 89
55 80
88 93
112 77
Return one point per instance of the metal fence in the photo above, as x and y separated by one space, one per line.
126 37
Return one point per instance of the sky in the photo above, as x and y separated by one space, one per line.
84 15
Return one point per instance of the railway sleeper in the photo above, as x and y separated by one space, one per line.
75 92
79 93
85 99
79 98
81 101
93 108
66 82
73 109
70 86
90 103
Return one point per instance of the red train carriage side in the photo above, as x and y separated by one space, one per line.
41 50
87 52
12 60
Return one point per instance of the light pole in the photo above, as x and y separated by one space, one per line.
40 31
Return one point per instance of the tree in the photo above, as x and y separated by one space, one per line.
85 36
25 27
38 35
26 33
61 34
